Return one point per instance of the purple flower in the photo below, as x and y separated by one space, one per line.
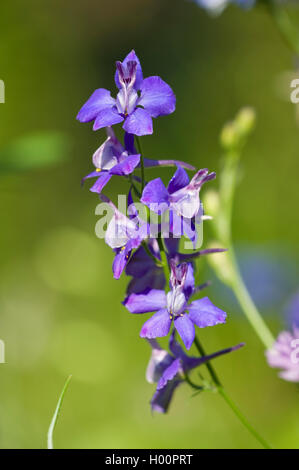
181 198
285 355
173 306
181 195
123 235
168 370
111 158
137 102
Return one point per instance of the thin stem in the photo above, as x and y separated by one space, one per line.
285 26
253 316
230 403
141 161
164 259
242 418
209 366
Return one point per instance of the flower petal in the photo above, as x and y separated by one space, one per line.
189 362
169 373
127 166
157 97
106 156
139 123
99 100
107 117
203 313
155 196
101 182
154 300
139 77
179 180
160 360
185 329
157 326
162 398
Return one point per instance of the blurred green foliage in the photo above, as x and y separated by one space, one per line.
60 310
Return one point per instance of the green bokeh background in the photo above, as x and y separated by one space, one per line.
60 309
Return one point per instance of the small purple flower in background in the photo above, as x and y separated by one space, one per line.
137 102
173 306
285 355
168 370
285 352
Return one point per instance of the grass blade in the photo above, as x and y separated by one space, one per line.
56 413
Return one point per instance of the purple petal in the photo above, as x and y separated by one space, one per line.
139 123
127 166
153 279
99 100
143 303
101 182
129 143
140 263
157 97
157 326
107 117
120 261
122 257
107 155
139 77
185 329
189 282
179 180
203 313
160 360
155 196
93 174
162 398
169 374
189 362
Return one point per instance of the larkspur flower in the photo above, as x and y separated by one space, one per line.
181 195
284 353
168 369
174 307
123 235
114 159
137 102
181 199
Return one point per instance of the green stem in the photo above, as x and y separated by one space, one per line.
164 259
253 316
284 24
224 395
209 366
141 161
